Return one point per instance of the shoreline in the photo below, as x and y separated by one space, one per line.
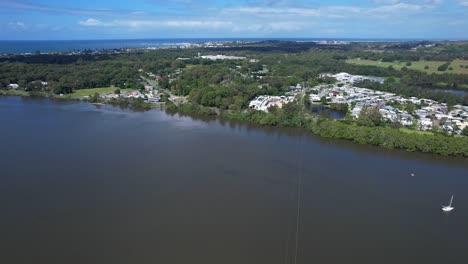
382 136
386 137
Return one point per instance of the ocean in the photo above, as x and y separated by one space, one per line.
45 46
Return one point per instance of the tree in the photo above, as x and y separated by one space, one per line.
22 84
117 91
364 121
410 107
62 89
165 98
324 100
370 116
307 102
94 98
178 64
465 131
443 67
164 83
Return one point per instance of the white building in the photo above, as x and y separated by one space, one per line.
148 88
406 119
349 78
314 98
221 57
263 103
389 113
425 123
13 86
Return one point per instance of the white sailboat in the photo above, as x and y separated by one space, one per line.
449 207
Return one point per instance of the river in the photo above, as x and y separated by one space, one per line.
87 184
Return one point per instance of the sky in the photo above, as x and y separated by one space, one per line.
118 19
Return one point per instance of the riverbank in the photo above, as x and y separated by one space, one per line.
90 96
22 93
387 137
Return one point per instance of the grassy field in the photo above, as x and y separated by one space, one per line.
75 94
417 65
17 92
89 92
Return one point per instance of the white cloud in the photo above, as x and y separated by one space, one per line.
274 11
91 22
266 26
173 23
277 26
399 8
387 2
463 3
386 7
143 24
17 25
59 9
269 27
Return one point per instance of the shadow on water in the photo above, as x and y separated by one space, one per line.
292 133
331 113
297 133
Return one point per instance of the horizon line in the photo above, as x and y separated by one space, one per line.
252 38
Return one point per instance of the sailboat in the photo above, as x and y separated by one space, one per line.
449 207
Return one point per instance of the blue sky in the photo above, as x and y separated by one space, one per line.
117 19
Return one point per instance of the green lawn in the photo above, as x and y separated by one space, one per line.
89 92
18 92
417 65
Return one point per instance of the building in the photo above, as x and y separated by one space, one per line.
389 113
148 88
314 98
13 86
425 124
406 119
263 103
349 78
221 57
154 99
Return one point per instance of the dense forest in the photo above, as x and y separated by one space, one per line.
286 67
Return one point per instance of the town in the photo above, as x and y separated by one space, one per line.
418 113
